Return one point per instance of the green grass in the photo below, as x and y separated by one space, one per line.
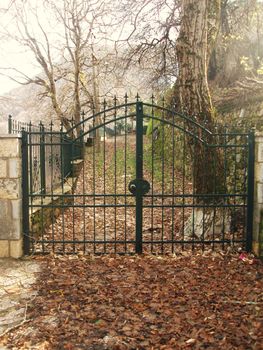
158 158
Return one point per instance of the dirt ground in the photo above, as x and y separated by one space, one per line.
189 300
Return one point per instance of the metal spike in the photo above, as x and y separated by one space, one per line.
51 125
93 107
61 126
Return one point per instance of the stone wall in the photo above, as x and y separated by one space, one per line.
11 238
242 113
258 197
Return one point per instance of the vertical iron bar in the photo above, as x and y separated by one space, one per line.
83 180
125 173
95 145
217 141
25 191
173 178
225 183
42 159
52 184
163 168
63 150
74 148
115 175
206 212
104 176
9 124
194 162
184 155
31 151
139 175
235 192
250 189
152 167
38 138
244 176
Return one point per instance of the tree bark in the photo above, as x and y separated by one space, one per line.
193 51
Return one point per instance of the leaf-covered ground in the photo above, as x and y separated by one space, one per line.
196 301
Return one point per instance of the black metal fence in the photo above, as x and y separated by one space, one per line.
152 180
50 154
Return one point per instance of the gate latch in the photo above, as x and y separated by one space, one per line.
140 185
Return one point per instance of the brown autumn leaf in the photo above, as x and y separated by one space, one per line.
107 302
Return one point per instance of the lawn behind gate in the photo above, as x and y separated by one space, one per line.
198 301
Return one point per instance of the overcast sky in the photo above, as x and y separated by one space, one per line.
12 55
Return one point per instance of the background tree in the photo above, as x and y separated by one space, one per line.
151 30
235 70
62 60
239 46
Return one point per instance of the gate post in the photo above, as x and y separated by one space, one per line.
257 244
250 189
11 236
25 197
42 159
139 175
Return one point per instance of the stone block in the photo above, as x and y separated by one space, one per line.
10 188
4 209
16 249
259 137
258 234
16 209
10 229
260 193
257 217
259 172
3 168
4 249
10 146
260 152
15 231
14 168
255 231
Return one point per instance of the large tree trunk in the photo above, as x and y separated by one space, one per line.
193 48
192 55
193 51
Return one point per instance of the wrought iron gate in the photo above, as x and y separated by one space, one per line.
126 183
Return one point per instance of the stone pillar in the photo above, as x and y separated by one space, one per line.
11 237
258 197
